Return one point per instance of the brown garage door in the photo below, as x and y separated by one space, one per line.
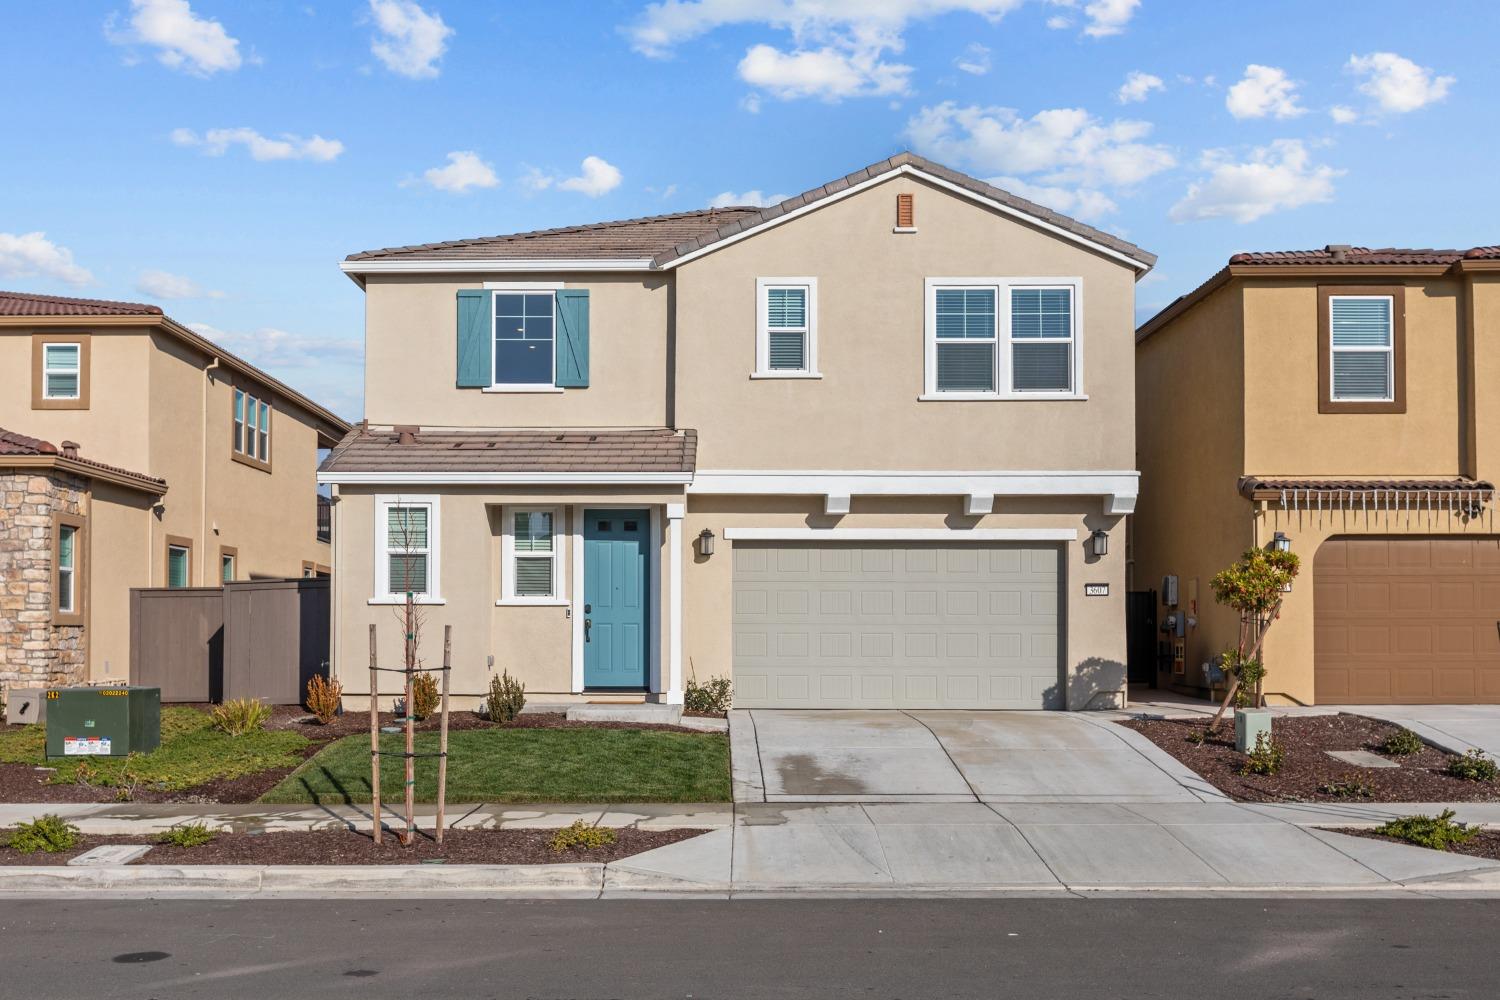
1407 621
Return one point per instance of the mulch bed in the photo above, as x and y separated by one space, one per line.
1486 845
347 847
1306 769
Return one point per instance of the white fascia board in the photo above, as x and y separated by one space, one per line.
907 168
902 534
428 266
446 478
1123 483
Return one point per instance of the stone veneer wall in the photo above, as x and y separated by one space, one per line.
33 651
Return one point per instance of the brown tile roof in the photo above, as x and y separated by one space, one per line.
1482 253
1349 255
644 237
27 304
649 449
664 238
14 444
1264 488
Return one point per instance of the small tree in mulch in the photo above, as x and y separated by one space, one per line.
1255 587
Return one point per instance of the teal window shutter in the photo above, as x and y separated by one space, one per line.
476 346
573 338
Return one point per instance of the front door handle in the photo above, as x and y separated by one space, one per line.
588 623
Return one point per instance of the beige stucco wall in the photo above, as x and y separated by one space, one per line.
1482 427
411 351
864 412
122 537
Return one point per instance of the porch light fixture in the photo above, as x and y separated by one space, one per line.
1099 542
706 543
1280 542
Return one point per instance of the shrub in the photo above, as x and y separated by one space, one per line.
1472 766
1347 787
1436 832
1197 737
324 698
239 716
187 835
424 696
48 833
712 696
506 698
582 836
1403 742
1265 758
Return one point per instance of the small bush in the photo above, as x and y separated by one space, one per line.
239 716
1265 758
47 833
187 835
1436 832
1403 742
712 696
1197 737
1347 787
324 698
506 698
424 696
582 836
1472 766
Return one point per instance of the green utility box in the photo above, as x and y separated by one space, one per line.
103 721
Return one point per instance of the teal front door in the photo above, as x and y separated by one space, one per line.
616 599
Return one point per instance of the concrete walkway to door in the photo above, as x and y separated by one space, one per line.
943 756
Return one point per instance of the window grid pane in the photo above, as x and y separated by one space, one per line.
1041 367
1360 322
62 385
965 313
533 531
786 308
177 566
406 528
524 334
408 572
1041 312
966 367
1362 375
533 576
786 350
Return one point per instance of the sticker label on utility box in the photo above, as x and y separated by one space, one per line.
86 746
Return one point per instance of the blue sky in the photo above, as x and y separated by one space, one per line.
219 157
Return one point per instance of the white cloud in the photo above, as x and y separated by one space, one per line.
328 369
1062 146
755 197
216 142
535 180
1397 84
1138 86
1342 114
1059 22
975 59
465 170
1274 178
410 40
1082 203
32 255
751 103
599 177
1108 17
827 73
166 285
1265 90
183 40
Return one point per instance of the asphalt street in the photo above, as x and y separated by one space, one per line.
1217 948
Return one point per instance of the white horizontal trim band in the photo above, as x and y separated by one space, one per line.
902 534
441 478
428 266
1115 483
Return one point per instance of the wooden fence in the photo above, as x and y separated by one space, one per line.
257 639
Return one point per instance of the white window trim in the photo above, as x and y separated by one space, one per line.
1389 351
551 287
77 372
508 556
762 328
71 607
383 503
250 425
577 511
1003 374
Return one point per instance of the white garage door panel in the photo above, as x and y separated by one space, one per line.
877 625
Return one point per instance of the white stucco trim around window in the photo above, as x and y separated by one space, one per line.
1004 341
763 369
508 556
902 534
1117 488
382 590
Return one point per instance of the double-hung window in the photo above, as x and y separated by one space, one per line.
62 371
179 564
1002 338
1362 348
68 569
406 557
252 427
525 338
786 344
530 556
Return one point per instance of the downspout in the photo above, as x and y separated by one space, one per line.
208 377
336 579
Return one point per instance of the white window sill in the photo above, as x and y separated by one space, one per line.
788 374
522 388
948 397
532 602
903 229
393 600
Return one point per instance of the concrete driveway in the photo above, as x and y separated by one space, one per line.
938 756
1453 727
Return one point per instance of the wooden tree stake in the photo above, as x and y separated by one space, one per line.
411 775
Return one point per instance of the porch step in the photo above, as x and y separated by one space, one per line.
668 715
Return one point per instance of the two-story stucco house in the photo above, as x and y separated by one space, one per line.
870 447
1340 402
136 453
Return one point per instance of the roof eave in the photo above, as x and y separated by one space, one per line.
117 477
448 477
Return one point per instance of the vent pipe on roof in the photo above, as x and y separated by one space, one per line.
1338 251
70 449
406 434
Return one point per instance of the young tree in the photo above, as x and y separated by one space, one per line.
1254 587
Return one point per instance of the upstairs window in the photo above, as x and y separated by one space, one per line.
965 339
252 428
786 325
1041 339
62 371
1002 338
525 338
1363 349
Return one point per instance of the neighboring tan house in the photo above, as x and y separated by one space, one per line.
867 448
222 462
1345 400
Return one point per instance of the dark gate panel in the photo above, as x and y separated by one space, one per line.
177 642
1140 636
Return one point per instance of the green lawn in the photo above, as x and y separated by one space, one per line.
525 765
192 752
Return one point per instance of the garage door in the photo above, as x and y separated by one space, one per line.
1407 621
876 625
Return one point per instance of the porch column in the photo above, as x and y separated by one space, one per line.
674 603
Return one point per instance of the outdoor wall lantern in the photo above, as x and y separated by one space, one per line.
1280 542
1099 542
706 543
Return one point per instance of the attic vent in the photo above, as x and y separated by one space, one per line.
406 433
906 213
1338 251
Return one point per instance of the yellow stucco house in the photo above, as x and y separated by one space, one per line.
871 447
1340 402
